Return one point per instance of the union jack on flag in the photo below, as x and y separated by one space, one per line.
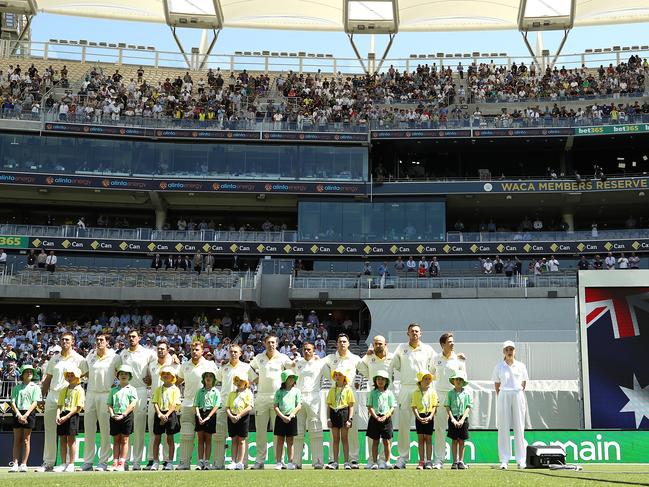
621 303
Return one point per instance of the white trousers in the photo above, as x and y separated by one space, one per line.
405 421
187 433
441 425
49 447
308 419
511 408
139 426
96 410
263 412
219 438
163 439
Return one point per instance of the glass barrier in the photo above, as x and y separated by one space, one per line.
328 221
90 156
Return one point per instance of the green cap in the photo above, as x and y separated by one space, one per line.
126 368
289 373
24 368
208 372
459 375
384 374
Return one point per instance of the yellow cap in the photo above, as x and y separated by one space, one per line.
422 374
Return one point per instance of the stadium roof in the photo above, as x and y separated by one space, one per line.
327 15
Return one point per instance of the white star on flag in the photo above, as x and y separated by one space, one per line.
638 401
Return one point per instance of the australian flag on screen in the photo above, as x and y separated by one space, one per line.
617 321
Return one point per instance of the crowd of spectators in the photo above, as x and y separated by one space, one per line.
22 90
492 83
35 339
428 96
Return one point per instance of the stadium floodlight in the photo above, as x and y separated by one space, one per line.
538 15
20 7
371 16
196 14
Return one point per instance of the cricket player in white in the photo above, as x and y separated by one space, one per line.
309 371
345 360
444 366
378 359
164 359
267 366
53 384
225 376
408 360
510 378
138 358
190 374
103 363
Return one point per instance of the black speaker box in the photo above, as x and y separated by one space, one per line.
544 456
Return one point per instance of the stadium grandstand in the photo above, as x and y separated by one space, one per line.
225 198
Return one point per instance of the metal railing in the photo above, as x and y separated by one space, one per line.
73 231
267 62
161 279
480 282
533 236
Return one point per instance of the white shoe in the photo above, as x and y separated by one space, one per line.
369 465
232 466
14 468
385 466
102 467
291 466
401 463
169 466
347 466
238 466
136 466
318 466
257 466
45 468
375 466
155 466
503 466
69 468
60 468
437 466
522 466
86 467
23 468
279 466
182 466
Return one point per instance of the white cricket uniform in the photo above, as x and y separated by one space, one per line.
191 374
443 369
269 372
348 363
309 418
139 360
511 409
408 362
154 372
56 368
225 375
101 376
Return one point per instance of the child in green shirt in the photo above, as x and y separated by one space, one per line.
458 404
24 398
207 403
70 404
287 403
122 401
380 405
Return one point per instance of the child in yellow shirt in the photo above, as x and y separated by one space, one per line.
340 414
70 404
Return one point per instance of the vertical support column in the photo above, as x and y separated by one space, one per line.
569 218
160 218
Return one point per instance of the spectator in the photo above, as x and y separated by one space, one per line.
411 265
609 261
583 264
41 259
50 262
157 262
622 262
634 261
553 264
433 268
399 265
598 265
3 260
31 259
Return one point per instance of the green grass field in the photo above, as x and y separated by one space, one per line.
477 475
